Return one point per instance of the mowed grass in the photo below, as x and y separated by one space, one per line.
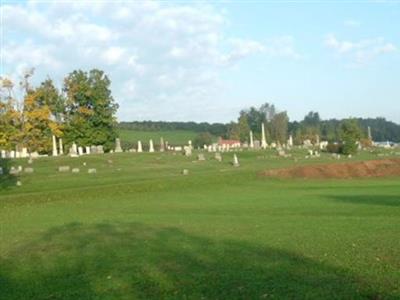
174 137
138 229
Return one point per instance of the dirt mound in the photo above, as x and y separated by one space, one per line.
372 168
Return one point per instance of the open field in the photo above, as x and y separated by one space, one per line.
138 229
178 137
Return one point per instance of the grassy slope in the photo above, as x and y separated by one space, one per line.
178 137
139 229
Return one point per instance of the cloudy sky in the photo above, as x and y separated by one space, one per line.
204 61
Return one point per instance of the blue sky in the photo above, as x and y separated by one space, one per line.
205 61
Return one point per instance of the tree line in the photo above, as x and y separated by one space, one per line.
82 111
278 127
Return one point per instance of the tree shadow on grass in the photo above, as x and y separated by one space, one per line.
384 200
133 261
7 180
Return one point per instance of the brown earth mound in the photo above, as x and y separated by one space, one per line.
372 168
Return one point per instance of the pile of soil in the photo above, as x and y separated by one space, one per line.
371 168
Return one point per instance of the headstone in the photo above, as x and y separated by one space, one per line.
75 170
257 144
290 141
63 169
13 171
19 168
30 161
3 154
235 161
80 150
28 170
100 149
1 171
54 145
185 172
200 157
118 145
151 146
73 151
218 156
263 140
139 147
162 147
18 183
34 155
24 152
251 140
93 149
87 149
92 171
12 154
60 145
187 150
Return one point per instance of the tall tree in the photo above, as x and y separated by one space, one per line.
90 109
279 127
38 125
350 133
10 117
244 128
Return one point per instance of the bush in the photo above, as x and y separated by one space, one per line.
202 139
334 148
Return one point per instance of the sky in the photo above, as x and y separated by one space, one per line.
205 61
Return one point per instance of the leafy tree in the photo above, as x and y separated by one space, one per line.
279 127
234 131
38 125
90 109
10 117
204 138
243 128
350 133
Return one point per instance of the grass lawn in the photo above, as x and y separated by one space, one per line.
138 229
174 137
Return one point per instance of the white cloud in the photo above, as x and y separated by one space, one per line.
362 51
157 54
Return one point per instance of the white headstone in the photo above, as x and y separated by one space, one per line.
60 146
80 150
3 154
54 146
290 141
118 145
162 144
235 161
74 149
87 148
151 146
24 152
139 146
263 140
12 154
251 140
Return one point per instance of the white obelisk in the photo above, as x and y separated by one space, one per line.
151 146
251 140
54 146
263 140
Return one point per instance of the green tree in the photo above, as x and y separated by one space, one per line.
279 127
10 117
350 133
244 128
90 109
204 138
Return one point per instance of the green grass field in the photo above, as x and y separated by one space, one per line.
138 229
174 137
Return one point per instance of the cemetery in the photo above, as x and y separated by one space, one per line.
217 221
199 150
